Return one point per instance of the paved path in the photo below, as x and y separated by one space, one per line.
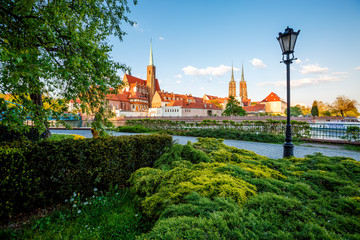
266 149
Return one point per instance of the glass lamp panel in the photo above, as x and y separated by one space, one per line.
286 41
293 41
281 44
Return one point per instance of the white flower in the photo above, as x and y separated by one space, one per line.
93 196
74 205
86 203
136 215
86 226
71 199
74 194
79 211
66 200
95 189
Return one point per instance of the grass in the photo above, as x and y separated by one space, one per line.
103 216
352 148
60 137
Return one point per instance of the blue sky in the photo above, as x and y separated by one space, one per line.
195 43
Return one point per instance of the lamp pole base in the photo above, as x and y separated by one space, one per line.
288 149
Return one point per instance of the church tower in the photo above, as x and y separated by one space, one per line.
243 87
232 84
150 79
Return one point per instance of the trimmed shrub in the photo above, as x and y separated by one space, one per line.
64 167
18 188
132 129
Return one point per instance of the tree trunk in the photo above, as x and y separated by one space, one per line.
37 100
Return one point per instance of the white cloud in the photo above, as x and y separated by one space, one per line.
212 71
357 68
257 63
303 81
178 81
161 38
297 61
179 76
339 73
313 68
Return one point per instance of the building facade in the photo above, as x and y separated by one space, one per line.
274 104
243 87
232 84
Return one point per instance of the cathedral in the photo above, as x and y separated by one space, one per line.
243 96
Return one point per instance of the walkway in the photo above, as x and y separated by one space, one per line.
266 149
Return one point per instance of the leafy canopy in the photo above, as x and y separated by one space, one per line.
233 108
52 50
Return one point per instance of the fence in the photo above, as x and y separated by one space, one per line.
335 131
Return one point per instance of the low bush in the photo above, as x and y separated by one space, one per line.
62 167
132 129
315 197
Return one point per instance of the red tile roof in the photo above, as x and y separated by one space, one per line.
211 97
272 97
255 108
246 102
185 104
136 95
134 80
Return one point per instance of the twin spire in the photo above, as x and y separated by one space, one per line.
151 61
242 72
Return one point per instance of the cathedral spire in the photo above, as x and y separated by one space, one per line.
242 72
232 72
151 61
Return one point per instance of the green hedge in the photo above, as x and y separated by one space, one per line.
260 131
17 186
64 167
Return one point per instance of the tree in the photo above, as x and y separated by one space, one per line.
52 50
344 105
315 109
233 108
294 111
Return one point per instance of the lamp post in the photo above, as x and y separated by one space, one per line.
287 42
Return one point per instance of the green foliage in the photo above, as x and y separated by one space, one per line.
59 52
233 108
237 135
294 111
353 133
63 167
110 215
18 188
259 131
315 109
315 197
132 129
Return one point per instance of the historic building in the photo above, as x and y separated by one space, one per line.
274 104
243 88
232 84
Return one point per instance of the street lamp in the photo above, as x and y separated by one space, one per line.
287 42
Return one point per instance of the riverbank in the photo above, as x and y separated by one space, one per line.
270 150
